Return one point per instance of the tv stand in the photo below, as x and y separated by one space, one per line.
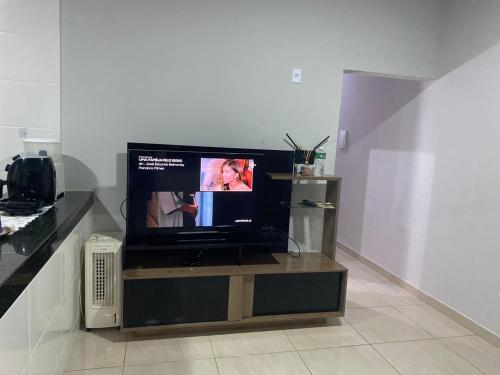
264 288
161 292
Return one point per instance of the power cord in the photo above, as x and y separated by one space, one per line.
275 231
298 248
121 209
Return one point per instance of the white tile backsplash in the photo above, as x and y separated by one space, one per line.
40 17
14 337
11 144
4 15
30 98
29 73
29 58
30 104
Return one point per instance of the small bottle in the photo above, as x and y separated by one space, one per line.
319 162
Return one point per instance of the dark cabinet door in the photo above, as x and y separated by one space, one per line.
297 293
174 301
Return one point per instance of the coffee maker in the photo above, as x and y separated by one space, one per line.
31 185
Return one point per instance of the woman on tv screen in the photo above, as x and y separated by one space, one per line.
232 177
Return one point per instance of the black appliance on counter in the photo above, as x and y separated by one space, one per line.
31 185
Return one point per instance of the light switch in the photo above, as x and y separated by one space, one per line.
296 75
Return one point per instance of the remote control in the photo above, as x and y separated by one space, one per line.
309 203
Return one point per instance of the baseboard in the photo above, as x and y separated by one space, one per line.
442 307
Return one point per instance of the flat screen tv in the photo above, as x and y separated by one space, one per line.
182 195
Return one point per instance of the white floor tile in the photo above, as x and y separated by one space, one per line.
102 348
384 324
425 358
393 294
97 371
170 349
433 321
359 273
324 337
263 364
476 351
354 360
237 344
359 295
196 367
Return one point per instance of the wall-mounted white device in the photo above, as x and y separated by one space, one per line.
103 269
342 141
296 75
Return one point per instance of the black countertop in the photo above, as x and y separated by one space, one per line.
24 253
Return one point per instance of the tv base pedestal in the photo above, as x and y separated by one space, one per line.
265 288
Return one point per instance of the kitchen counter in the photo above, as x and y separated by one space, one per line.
23 254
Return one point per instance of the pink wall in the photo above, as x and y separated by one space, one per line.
421 188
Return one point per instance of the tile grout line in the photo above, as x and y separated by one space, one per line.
289 340
29 126
418 325
437 337
389 282
371 345
125 355
458 354
159 362
304 362
296 351
385 359
33 35
213 353
439 340
333 347
250 354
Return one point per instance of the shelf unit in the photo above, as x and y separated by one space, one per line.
330 215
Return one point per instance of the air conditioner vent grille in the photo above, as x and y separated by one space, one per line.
103 279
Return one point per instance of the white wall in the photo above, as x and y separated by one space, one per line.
29 73
218 73
469 28
421 185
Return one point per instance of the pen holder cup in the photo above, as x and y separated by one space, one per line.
304 157
304 162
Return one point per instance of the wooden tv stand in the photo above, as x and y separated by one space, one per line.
274 288
166 295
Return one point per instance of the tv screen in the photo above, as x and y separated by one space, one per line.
193 190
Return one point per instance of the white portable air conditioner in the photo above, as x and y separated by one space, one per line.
103 267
